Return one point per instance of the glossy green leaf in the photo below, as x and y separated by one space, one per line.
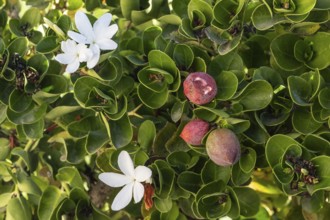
74 4
18 45
34 130
27 185
71 176
324 98
47 45
121 131
149 38
147 134
163 205
18 209
190 181
183 56
321 163
19 101
227 84
4 148
49 201
203 7
282 48
152 99
248 160
165 179
249 201
256 95
303 121
212 172
31 18
31 115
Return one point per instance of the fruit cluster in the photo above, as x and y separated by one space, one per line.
222 145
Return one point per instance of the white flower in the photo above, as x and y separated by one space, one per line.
73 55
131 180
97 36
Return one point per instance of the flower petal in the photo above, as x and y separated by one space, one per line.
65 58
111 31
125 164
138 192
72 67
115 179
101 24
142 173
123 198
92 61
78 37
106 44
84 25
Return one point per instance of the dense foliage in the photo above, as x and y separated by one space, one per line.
270 60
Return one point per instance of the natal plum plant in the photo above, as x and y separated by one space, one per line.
167 109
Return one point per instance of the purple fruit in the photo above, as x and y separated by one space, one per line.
200 88
194 131
223 147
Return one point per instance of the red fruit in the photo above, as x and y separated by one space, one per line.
200 88
194 131
223 147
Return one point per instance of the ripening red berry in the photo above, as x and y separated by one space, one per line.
200 88
194 131
223 147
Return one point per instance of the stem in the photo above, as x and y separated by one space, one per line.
133 112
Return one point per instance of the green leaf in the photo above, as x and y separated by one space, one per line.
160 60
74 4
226 11
163 205
149 38
239 177
277 146
33 114
121 131
128 6
27 185
248 160
31 17
146 134
34 130
249 201
282 48
71 176
212 172
303 121
18 209
18 45
4 148
227 84
151 98
165 179
19 101
183 56
5 198
190 181
323 173
324 98
255 96
203 7
49 202
47 45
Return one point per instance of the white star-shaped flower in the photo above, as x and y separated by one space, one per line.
131 179
73 55
97 36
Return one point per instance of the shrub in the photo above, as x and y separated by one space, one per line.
92 93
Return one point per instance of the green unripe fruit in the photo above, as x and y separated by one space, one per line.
223 147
